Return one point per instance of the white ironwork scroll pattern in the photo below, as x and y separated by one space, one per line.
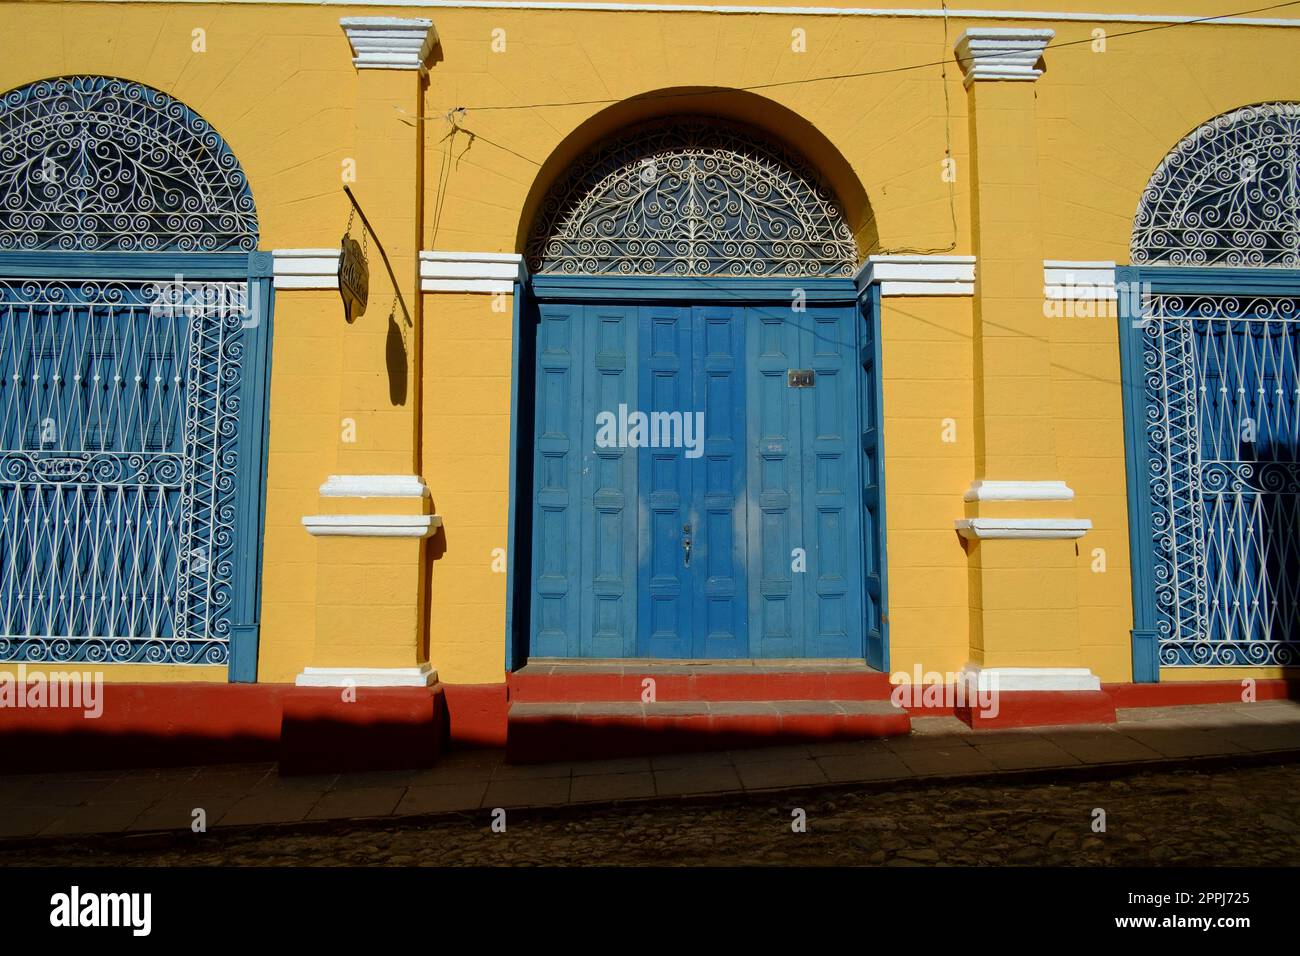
94 163
118 412
1228 194
692 197
1223 413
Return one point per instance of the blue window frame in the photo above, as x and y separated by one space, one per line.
1212 433
135 330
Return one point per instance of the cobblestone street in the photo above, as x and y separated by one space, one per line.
1243 816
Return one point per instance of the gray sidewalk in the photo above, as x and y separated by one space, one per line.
137 801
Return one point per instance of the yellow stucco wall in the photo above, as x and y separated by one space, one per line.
467 351
276 80
929 446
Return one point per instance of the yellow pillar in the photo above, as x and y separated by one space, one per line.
1019 525
374 516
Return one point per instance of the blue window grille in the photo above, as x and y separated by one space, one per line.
691 197
134 335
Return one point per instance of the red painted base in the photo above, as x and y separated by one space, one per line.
476 714
153 725
1038 708
543 739
383 728
147 725
1175 693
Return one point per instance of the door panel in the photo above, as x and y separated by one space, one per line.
609 488
775 514
767 496
665 483
805 531
718 500
832 534
557 514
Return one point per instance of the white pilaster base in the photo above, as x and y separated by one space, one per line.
371 526
1032 678
422 676
1027 528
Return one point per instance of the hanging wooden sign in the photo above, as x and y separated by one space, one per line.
354 278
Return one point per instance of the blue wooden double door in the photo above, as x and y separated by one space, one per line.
698 482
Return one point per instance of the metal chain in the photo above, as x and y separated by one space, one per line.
365 233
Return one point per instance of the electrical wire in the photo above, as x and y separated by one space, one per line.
671 94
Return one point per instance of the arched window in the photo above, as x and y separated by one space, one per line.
128 402
1226 195
691 197
95 163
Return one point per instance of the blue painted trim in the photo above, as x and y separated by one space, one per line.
511 531
132 265
254 420
1208 280
669 288
1131 283
1146 666
261 265
882 532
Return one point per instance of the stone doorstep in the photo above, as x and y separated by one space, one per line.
618 680
642 666
589 730
686 708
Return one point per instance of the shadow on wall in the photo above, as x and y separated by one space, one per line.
435 549
396 359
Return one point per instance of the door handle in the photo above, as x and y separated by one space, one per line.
686 544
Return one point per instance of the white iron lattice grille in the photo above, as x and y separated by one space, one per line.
1222 412
695 197
118 411
98 163
1228 194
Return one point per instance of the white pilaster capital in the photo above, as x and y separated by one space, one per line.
471 271
305 268
1081 281
1001 53
918 275
389 43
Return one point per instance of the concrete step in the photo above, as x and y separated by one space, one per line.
592 730
582 681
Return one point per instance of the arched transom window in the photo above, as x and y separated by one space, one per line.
1227 194
95 163
693 197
